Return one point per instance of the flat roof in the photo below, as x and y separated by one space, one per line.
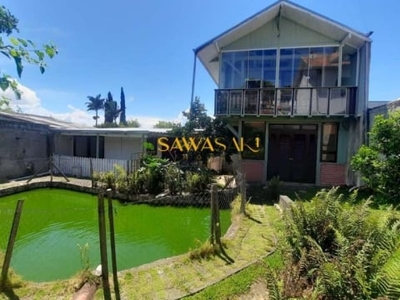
68 128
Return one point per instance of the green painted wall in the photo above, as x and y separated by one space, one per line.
291 35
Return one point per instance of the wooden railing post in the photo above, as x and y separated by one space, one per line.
10 245
243 194
103 247
212 206
113 246
217 226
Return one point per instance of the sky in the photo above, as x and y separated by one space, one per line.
146 47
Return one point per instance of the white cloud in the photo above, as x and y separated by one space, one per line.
149 122
30 103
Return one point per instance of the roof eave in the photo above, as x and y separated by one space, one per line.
214 43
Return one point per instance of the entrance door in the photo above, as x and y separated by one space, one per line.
292 152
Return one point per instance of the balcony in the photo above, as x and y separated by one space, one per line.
315 101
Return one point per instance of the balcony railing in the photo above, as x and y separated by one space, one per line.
316 101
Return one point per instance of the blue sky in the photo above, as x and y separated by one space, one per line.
147 48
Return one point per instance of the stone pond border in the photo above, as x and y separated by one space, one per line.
196 200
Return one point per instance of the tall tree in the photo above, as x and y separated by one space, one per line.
95 104
197 118
19 50
122 118
111 110
206 126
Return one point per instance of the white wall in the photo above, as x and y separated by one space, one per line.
121 147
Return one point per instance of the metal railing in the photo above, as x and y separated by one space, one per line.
310 101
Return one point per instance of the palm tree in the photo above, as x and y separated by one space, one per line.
96 104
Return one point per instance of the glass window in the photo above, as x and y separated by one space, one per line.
269 68
234 70
240 68
329 142
286 68
349 66
309 67
255 65
85 146
301 70
248 69
253 140
227 70
331 67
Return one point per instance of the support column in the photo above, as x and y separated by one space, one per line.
193 80
97 146
265 172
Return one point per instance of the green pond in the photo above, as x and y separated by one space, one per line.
56 223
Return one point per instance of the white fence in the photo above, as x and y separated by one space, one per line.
80 166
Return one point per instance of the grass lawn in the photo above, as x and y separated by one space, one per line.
240 283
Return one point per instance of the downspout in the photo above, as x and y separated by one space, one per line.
367 68
193 78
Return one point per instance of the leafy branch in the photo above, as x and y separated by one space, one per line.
21 51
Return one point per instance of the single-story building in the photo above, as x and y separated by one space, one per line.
29 141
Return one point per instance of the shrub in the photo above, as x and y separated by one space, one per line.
274 188
339 250
197 181
121 179
109 179
96 176
379 162
174 179
152 174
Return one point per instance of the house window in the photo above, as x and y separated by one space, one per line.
329 142
85 146
248 69
309 67
253 134
349 66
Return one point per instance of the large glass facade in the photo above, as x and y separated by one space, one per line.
298 67
301 81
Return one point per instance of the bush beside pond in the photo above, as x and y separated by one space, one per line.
156 176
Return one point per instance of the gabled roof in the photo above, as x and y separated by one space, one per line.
208 52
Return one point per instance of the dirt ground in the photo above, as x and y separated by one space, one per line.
258 291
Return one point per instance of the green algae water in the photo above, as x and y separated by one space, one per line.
55 223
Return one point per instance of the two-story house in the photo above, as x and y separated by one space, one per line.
299 82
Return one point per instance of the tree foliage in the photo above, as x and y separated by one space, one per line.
122 118
133 123
111 110
166 124
95 104
199 124
20 50
379 162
